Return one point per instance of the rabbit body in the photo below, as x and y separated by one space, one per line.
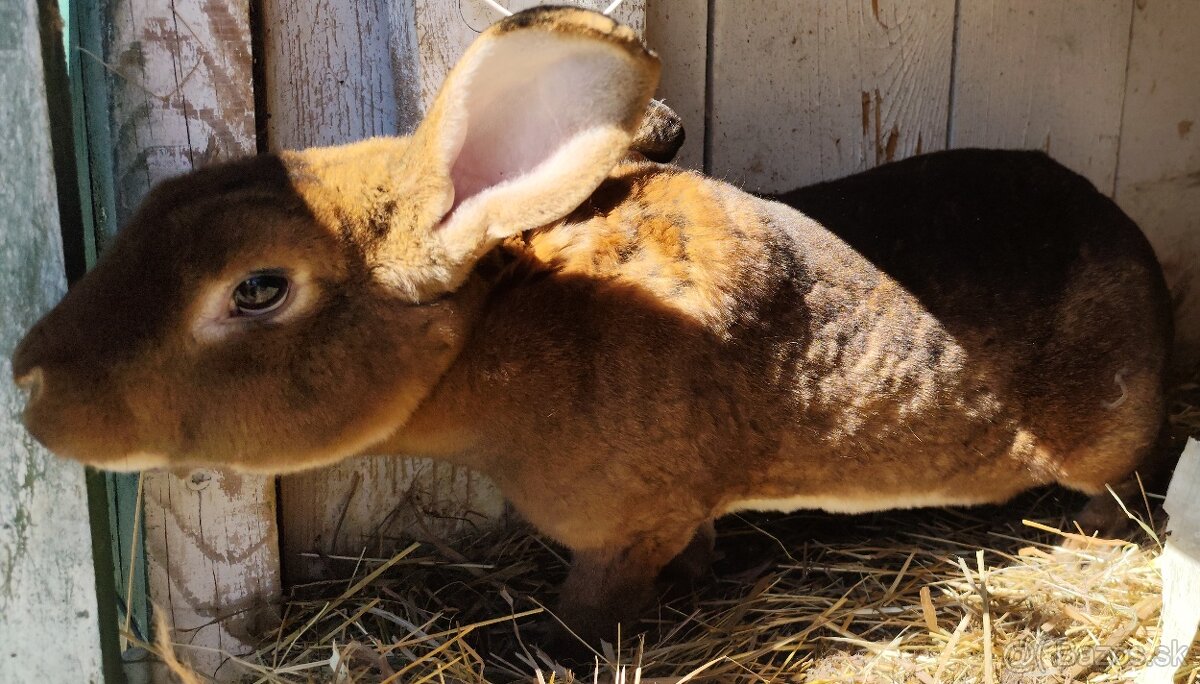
963 326
628 349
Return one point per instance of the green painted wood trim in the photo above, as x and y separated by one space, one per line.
93 158
122 511
90 79
71 42
93 155
102 559
75 235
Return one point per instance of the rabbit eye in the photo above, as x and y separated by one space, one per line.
260 294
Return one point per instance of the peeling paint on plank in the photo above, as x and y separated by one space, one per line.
47 585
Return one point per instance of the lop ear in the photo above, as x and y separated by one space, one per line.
534 116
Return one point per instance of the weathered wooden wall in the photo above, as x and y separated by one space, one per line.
1158 168
1043 74
808 90
329 79
48 605
805 90
180 95
327 72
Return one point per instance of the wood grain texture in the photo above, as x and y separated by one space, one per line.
328 76
372 505
181 96
1043 74
48 623
809 90
213 555
678 31
1158 175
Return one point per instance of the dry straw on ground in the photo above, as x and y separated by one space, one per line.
980 595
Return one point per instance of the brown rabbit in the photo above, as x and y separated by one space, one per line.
628 349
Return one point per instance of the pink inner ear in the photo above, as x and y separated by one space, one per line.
529 96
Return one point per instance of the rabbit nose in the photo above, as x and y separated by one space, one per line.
30 355
32 381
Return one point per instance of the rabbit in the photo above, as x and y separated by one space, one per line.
628 349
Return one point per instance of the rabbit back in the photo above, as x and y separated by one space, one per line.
949 330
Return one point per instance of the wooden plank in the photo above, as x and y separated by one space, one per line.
327 73
181 96
49 630
808 90
1158 175
677 30
369 503
1043 74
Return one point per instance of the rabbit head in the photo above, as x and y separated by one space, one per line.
285 311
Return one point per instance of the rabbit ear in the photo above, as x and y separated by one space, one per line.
534 116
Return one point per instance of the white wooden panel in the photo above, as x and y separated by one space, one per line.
1043 74
806 90
48 624
1158 176
182 96
328 77
677 30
